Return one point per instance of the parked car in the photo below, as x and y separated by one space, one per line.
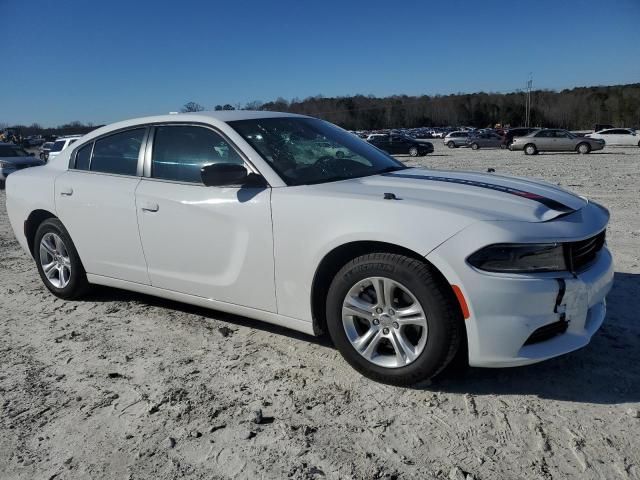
484 140
14 158
456 139
401 266
402 145
515 133
60 144
43 151
555 140
617 136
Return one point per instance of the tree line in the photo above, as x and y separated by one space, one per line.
575 109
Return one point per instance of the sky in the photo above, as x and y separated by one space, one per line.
100 62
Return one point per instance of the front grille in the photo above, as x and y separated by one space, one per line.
582 253
547 332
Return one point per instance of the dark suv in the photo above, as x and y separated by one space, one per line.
514 133
399 145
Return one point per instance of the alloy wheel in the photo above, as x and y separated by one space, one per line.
384 322
54 260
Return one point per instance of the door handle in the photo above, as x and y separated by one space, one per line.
150 207
66 192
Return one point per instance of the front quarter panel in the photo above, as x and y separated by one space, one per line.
308 223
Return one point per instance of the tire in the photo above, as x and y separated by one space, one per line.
68 267
451 145
431 348
2 185
413 151
475 146
583 148
530 149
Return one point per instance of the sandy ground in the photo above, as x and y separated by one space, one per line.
122 385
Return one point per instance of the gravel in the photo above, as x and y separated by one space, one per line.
118 381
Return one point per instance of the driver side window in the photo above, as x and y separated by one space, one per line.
179 152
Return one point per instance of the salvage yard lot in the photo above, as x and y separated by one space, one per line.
122 385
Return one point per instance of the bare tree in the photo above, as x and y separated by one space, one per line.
191 107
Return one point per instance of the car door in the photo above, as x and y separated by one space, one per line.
399 145
383 143
621 137
212 242
95 200
564 141
544 140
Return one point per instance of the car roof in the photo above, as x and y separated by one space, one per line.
212 117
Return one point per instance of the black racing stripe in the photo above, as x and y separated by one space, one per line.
548 202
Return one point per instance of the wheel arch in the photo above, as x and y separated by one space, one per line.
335 259
31 224
577 149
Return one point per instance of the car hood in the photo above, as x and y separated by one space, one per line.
478 195
22 160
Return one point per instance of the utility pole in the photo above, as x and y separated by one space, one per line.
527 115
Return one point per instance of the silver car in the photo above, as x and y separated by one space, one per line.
456 139
14 157
555 140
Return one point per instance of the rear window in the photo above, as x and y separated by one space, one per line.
117 153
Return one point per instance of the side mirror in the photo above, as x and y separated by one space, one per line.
227 174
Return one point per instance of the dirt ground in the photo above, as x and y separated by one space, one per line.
122 385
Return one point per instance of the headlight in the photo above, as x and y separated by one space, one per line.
3 164
520 258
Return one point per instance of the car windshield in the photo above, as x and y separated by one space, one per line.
10 151
57 146
304 151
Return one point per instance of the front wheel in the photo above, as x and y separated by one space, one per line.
393 318
58 262
413 151
451 145
475 146
583 148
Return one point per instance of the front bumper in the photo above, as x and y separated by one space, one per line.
506 309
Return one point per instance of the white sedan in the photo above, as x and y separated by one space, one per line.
621 137
404 267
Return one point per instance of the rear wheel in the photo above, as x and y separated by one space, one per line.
393 318
530 149
583 148
413 151
58 262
